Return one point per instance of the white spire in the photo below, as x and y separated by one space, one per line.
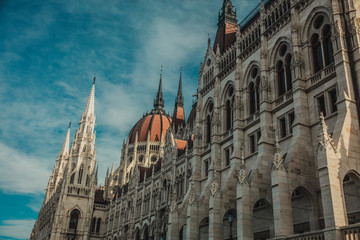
65 147
90 105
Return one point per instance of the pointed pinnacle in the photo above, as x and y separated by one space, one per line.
90 105
159 100
179 101
66 144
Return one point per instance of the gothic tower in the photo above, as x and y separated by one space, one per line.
74 210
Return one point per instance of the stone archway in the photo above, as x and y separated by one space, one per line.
302 211
263 220
351 188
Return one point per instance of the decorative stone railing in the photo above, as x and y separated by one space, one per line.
351 232
315 235
283 98
253 117
327 71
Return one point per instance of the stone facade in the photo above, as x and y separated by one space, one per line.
270 149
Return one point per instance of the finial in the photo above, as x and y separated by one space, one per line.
161 69
69 124
94 79
209 41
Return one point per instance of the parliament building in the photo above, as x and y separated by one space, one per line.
269 150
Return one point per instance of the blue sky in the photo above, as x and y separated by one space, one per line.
49 53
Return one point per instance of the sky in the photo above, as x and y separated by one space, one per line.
50 50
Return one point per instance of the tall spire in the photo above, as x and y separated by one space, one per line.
90 105
159 100
65 147
179 101
178 119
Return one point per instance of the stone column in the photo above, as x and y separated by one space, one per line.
192 223
215 219
282 210
244 213
331 190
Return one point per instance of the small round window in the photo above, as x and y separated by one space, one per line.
231 91
254 72
211 106
153 159
283 50
319 22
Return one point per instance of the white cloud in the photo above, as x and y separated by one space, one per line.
19 229
21 173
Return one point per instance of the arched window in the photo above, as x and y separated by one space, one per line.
321 45
257 93
72 178
228 115
230 225
208 129
281 78
252 99
263 222
164 191
254 90
302 211
208 122
283 69
81 170
328 48
74 219
288 72
182 233
229 99
87 180
98 225
204 228
351 188
93 225
316 52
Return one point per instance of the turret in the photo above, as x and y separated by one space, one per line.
227 26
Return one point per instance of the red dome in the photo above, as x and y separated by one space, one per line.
156 122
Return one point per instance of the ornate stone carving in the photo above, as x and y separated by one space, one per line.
242 172
324 138
278 158
214 187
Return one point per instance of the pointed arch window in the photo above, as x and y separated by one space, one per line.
328 49
87 180
81 170
252 98
93 225
321 44
317 53
208 124
229 108
283 69
98 225
74 219
288 72
254 90
72 178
